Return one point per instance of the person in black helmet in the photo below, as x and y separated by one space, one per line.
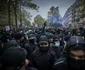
43 57
75 55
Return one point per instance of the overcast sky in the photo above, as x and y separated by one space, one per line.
46 4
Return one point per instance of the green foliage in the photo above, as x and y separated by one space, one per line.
26 16
39 20
3 6
83 6
15 6
54 12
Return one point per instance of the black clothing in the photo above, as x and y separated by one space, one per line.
57 51
62 64
42 60
30 48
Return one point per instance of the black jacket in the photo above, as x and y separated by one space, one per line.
42 60
62 64
30 48
57 51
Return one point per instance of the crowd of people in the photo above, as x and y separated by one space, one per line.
42 49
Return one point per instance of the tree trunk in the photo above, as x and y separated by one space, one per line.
9 13
15 12
20 17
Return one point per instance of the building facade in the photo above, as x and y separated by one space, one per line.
73 17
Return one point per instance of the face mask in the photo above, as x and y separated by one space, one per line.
64 42
76 64
43 49
31 41
57 44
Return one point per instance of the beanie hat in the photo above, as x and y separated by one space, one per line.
75 42
14 57
18 36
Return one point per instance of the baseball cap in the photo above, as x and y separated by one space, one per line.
43 38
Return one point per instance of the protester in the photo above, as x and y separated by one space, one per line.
43 57
14 58
75 55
